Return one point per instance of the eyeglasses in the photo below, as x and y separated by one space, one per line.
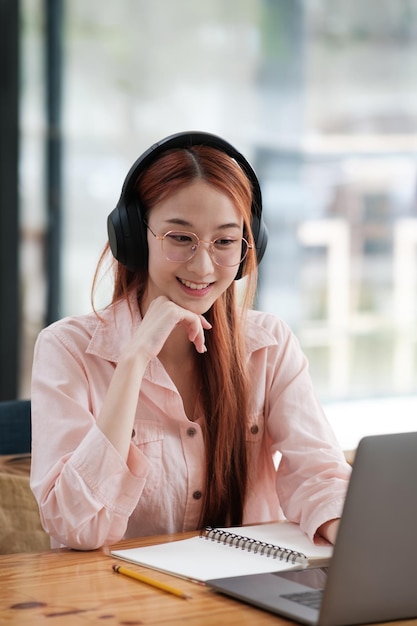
180 246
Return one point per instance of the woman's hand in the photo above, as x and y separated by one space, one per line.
160 319
329 530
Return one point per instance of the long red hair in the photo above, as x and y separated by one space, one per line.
225 396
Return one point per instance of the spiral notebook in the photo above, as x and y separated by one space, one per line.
232 551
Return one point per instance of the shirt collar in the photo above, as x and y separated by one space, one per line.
258 336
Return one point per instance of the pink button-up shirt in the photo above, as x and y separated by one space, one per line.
89 496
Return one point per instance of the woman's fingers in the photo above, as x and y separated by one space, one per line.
162 317
196 333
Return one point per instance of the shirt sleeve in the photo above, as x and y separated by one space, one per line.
313 474
85 491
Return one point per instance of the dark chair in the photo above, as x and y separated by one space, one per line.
15 427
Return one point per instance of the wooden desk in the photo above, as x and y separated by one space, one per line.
66 588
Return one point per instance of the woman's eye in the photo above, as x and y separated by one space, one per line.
225 243
178 238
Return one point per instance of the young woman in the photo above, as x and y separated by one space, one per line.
164 412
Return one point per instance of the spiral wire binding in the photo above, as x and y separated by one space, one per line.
252 545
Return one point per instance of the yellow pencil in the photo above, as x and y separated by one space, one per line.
150 581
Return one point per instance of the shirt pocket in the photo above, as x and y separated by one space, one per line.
148 437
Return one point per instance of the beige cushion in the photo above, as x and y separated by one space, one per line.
20 526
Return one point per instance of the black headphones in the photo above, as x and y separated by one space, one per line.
125 226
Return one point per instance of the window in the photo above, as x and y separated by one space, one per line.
319 95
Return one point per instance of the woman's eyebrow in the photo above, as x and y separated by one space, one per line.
230 225
176 221
185 223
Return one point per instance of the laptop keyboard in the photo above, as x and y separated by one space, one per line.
312 599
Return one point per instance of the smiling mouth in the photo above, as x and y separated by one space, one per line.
190 285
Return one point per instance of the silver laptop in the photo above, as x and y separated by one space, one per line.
372 576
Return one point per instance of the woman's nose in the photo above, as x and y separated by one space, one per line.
202 262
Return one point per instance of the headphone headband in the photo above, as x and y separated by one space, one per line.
126 231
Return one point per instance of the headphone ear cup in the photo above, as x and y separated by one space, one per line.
127 236
260 239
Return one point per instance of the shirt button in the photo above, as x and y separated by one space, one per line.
133 433
191 432
197 495
254 429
